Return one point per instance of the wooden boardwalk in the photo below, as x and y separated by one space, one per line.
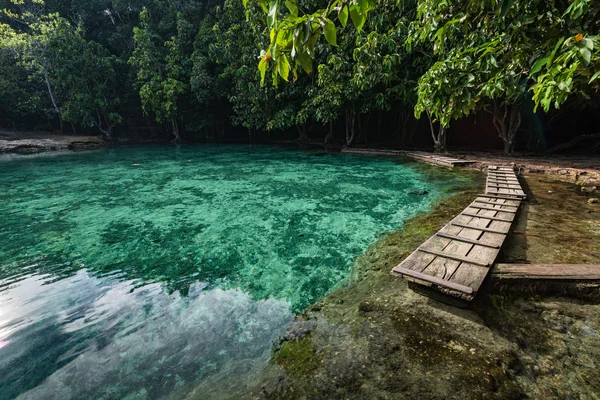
547 272
437 159
456 260
430 158
503 181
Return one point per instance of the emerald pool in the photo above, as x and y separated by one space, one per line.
140 272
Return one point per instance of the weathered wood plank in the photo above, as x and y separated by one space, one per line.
547 271
515 202
479 228
454 257
433 279
493 209
494 196
486 217
466 240
444 268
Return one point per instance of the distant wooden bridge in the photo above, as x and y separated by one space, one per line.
456 260
429 158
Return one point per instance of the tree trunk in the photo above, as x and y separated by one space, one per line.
107 133
175 131
350 127
302 134
74 128
439 139
52 99
330 133
507 122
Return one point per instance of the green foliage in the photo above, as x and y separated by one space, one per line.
78 75
294 37
193 64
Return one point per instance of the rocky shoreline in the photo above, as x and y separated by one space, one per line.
35 142
377 338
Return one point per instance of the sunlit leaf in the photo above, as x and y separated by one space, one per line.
291 6
272 15
329 31
586 55
262 67
283 66
343 16
358 17
538 66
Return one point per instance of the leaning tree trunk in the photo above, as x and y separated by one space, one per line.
350 128
106 132
439 139
507 121
302 133
52 99
330 133
175 131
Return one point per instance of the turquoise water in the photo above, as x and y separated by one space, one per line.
140 272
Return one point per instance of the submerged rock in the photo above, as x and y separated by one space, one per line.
418 192
588 189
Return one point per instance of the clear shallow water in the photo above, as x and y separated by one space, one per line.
137 272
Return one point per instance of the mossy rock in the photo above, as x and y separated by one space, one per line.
298 357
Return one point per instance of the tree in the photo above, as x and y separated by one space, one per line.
162 71
569 59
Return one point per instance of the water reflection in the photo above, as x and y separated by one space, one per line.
84 337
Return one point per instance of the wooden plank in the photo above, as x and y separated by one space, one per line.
490 202
454 257
504 185
479 228
497 180
493 196
466 240
493 209
486 217
473 275
445 268
434 280
547 271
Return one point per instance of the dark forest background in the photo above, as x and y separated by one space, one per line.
186 70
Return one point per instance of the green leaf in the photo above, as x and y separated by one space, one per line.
594 77
272 16
283 66
291 5
586 55
343 16
263 5
587 43
305 62
358 17
538 65
556 46
506 5
364 6
330 34
262 67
